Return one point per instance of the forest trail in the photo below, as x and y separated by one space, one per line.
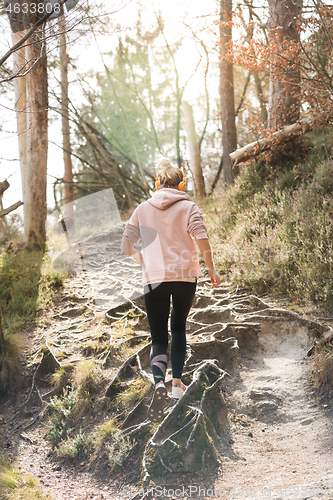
282 430
280 427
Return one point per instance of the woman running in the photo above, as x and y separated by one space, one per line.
166 224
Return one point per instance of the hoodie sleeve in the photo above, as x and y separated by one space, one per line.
131 233
196 226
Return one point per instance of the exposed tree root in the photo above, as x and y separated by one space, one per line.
132 367
200 416
186 440
47 364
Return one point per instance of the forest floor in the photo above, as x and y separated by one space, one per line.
281 427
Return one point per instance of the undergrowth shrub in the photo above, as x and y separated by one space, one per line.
62 416
76 446
322 366
119 450
277 239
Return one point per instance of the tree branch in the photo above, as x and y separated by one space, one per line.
7 211
28 34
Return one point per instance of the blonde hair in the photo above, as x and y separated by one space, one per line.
169 176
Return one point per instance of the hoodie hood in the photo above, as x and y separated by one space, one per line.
164 198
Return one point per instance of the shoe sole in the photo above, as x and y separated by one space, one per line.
155 411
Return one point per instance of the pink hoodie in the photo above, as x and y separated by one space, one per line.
165 224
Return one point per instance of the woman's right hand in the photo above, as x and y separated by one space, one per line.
138 257
215 277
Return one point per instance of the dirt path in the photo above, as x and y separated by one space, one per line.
282 432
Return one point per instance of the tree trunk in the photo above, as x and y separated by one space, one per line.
2 337
284 84
37 142
19 62
193 145
229 135
3 186
2 220
66 143
178 119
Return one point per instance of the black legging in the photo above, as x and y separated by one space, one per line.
157 299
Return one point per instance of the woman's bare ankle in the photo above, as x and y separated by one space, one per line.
176 382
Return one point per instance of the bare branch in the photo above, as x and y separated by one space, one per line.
7 211
17 45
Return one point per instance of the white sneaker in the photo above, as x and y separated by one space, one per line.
177 392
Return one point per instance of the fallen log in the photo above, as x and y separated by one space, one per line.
7 211
254 148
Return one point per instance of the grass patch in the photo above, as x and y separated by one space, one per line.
75 401
86 376
108 441
137 390
27 285
105 441
60 378
10 365
17 486
103 433
86 379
